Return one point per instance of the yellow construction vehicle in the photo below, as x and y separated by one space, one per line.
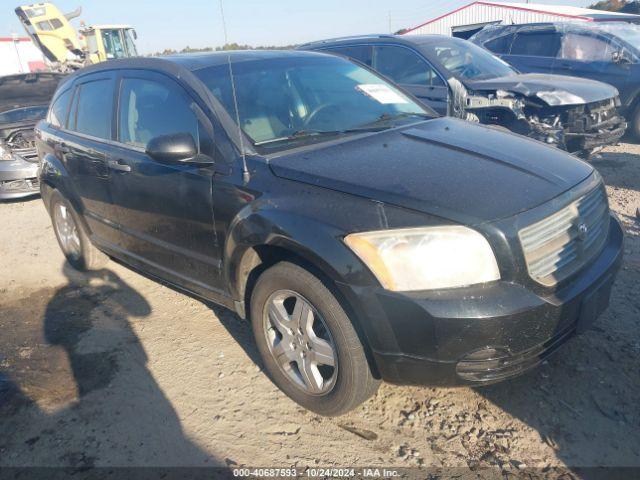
53 34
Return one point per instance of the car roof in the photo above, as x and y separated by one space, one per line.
176 63
397 39
590 26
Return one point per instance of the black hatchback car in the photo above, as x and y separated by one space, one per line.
455 77
605 51
364 237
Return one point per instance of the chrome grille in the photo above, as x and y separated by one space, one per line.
559 245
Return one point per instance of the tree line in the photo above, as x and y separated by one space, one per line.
622 6
225 47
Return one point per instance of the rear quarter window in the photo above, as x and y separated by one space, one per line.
57 116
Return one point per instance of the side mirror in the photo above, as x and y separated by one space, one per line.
620 57
174 148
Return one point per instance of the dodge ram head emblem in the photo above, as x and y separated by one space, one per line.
582 231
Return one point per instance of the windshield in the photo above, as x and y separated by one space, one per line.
24 114
466 61
288 100
112 41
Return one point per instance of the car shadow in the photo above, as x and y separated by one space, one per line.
237 327
240 330
89 361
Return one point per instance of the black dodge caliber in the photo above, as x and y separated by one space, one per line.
364 238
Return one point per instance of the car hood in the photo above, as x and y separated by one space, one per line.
27 89
581 90
464 172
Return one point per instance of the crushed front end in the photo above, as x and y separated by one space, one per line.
593 126
579 128
24 100
18 167
18 161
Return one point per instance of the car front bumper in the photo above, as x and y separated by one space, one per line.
588 141
18 179
480 335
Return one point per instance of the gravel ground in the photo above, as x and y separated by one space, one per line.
114 369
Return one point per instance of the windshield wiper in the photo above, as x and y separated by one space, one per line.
301 134
367 127
386 117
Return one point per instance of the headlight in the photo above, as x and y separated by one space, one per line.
426 258
5 154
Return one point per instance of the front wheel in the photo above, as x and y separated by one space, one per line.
73 240
307 342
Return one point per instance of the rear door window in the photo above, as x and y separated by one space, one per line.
536 44
404 66
94 104
150 108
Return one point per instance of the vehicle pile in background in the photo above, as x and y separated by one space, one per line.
53 34
457 78
605 51
25 97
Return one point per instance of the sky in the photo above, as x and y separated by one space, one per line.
176 24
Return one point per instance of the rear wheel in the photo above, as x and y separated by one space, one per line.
73 240
307 342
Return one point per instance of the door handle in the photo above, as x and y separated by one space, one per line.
116 165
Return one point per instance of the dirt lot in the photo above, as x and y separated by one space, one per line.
113 369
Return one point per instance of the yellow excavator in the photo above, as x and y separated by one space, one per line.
68 50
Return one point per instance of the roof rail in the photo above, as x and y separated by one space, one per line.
349 37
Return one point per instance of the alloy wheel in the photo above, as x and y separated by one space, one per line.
300 342
67 230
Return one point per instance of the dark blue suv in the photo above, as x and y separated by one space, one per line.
608 52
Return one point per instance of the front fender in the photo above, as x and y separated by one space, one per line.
316 242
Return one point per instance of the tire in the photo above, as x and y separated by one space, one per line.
72 238
332 390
